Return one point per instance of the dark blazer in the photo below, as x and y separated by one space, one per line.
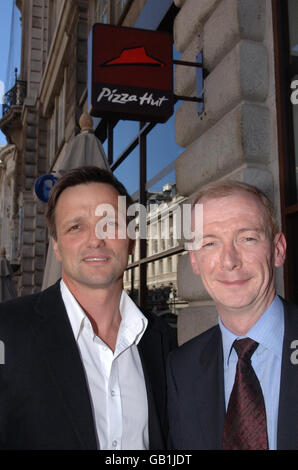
44 397
196 390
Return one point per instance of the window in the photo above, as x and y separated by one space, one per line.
52 138
61 113
57 122
285 21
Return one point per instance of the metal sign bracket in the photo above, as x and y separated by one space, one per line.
201 74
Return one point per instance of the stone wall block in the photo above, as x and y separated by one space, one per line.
28 251
232 20
30 170
30 144
31 131
39 263
190 286
253 68
258 177
40 249
189 20
29 184
29 237
28 265
42 165
256 138
30 157
28 280
241 75
37 10
192 321
242 136
38 278
39 3
40 221
31 118
40 234
185 76
28 211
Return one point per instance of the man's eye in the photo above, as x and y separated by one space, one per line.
208 244
74 227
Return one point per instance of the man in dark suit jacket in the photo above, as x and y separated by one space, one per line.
236 254
65 346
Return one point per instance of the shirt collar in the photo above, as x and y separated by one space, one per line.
268 331
133 322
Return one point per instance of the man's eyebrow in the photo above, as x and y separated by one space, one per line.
74 220
245 229
251 229
207 235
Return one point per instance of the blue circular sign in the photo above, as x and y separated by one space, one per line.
43 186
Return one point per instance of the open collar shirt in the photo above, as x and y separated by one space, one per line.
115 379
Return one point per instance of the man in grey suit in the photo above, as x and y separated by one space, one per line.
236 255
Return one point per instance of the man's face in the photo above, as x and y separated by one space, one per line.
237 258
89 259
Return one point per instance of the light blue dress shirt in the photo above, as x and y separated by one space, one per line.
266 361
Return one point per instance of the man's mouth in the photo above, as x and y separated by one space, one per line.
237 282
94 259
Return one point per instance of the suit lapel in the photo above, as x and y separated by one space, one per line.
287 435
61 354
210 393
151 354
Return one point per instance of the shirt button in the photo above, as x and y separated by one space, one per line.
113 393
114 443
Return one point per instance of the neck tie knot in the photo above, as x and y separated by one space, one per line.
245 348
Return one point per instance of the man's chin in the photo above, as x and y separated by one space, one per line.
233 303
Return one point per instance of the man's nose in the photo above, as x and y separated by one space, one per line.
230 257
94 239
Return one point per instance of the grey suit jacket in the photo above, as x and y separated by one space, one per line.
196 390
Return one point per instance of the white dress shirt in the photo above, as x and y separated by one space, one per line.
115 379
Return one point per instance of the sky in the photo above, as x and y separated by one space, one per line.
7 52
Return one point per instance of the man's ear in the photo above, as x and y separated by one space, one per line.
194 262
280 248
56 249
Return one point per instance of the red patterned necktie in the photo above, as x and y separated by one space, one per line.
245 425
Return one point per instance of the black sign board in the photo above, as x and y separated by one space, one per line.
130 73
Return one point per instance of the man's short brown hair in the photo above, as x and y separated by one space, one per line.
81 175
225 188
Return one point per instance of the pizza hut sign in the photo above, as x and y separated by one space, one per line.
130 74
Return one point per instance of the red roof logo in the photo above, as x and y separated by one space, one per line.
134 56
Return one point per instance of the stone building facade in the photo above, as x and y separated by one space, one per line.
239 135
